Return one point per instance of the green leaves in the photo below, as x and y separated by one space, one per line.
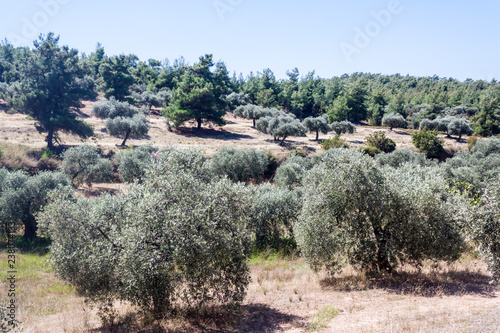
49 87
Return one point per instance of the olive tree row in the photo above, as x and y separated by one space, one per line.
180 237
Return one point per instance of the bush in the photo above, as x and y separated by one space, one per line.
239 164
84 164
1 153
177 239
132 164
370 150
471 142
394 120
355 213
381 142
487 147
428 143
47 164
335 142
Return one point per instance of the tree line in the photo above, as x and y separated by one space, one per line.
49 81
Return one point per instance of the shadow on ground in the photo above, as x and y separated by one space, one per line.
210 133
250 318
419 284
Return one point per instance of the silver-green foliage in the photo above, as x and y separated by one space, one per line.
317 125
482 223
356 213
239 164
177 239
273 214
394 120
291 172
84 164
132 164
22 196
281 126
459 127
341 127
401 156
478 167
122 118
254 112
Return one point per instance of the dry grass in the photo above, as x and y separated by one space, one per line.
286 296
19 129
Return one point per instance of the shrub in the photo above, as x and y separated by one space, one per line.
47 164
316 125
370 150
176 239
1 153
84 164
428 143
341 127
394 120
239 164
335 142
471 142
22 196
354 213
132 164
381 142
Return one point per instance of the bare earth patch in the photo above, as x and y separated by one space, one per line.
286 296
18 129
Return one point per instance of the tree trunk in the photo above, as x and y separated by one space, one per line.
317 135
50 140
460 137
383 263
199 124
126 137
253 123
282 141
29 227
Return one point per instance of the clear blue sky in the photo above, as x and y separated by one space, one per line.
454 38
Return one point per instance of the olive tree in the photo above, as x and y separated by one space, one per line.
239 164
273 215
132 164
255 112
22 196
291 172
355 213
394 120
459 127
399 157
84 164
482 225
281 127
177 239
317 124
341 127
122 118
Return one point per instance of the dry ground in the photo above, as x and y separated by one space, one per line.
286 296
19 129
